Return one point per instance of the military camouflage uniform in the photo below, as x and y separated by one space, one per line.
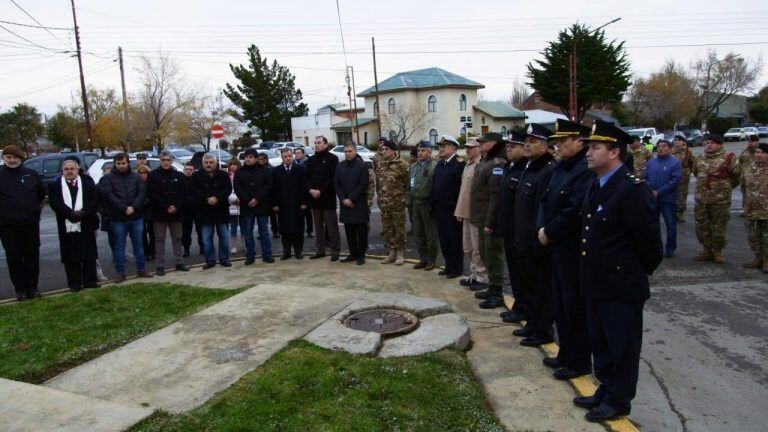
392 187
716 175
686 159
754 178
745 158
422 212
641 156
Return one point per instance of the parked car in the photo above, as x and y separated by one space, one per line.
762 131
365 153
97 168
694 137
749 131
182 156
734 134
647 132
194 148
49 166
197 159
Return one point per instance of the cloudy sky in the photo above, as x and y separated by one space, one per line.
488 41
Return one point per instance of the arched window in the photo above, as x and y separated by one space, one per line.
375 109
393 136
433 136
504 130
391 105
463 102
432 103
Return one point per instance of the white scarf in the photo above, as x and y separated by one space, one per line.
72 226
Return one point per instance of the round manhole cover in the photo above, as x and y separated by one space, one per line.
388 322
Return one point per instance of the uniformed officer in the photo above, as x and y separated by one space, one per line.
518 276
482 209
559 222
745 158
684 155
536 257
392 186
620 247
640 155
754 180
421 209
446 185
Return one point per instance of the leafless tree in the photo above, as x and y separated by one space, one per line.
163 93
195 120
717 79
520 92
406 122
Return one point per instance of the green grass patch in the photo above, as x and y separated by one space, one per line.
40 339
306 388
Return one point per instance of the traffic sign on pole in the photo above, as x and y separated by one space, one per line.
217 131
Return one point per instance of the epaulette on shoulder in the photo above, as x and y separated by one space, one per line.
500 160
634 179
460 159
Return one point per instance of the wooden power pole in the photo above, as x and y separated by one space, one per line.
376 87
86 111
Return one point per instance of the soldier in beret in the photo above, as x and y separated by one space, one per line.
392 187
620 246
754 179
444 196
421 208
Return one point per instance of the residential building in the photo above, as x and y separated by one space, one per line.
305 129
734 105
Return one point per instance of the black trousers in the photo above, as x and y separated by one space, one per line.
292 241
22 253
543 309
148 238
570 315
308 220
357 239
81 274
616 337
328 221
186 233
449 233
519 269
274 224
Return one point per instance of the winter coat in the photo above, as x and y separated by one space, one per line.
351 182
165 188
320 172
205 186
120 190
462 205
21 196
254 181
289 193
663 175
505 227
77 247
484 195
533 184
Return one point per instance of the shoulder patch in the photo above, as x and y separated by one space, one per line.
497 171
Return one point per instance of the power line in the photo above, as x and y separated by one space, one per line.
34 26
39 23
33 43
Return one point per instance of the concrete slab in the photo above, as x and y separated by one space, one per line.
335 336
419 306
32 408
184 364
448 330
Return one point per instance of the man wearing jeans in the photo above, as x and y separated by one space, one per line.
253 186
167 193
210 191
663 176
123 194
320 172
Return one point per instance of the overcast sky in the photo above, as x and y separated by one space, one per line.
485 40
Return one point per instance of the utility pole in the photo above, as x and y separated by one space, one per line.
125 96
86 111
376 86
354 103
573 85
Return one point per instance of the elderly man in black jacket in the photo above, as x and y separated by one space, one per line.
75 200
619 248
533 184
559 228
210 190
321 169
351 184
167 191
289 202
123 195
21 199
253 187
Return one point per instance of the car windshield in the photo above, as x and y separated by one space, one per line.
636 131
181 152
734 130
222 153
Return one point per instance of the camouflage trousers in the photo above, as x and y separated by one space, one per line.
682 194
711 221
393 227
492 254
757 234
425 231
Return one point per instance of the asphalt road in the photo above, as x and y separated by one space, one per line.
706 335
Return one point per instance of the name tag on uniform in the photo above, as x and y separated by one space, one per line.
413 182
497 171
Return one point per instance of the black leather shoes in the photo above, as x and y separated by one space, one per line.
482 295
512 317
334 257
226 264
348 258
160 271
604 413
586 402
492 302
453 275
536 340
181 268
442 273
477 286
465 282
268 260
360 261
552 362
285 257
565 374
249 261
207 266
523 332
317 256
299 256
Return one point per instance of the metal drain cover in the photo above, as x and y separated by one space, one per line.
388 322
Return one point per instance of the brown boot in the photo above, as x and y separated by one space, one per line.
717 256
143 274
120 278
704 255
757 262
390 258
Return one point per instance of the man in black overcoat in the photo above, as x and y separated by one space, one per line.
351 184
289 202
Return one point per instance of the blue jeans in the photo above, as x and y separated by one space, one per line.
668 211
222 231
246 230
135 229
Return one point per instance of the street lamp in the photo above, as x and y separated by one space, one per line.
572 83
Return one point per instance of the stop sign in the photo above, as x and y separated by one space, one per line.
217 131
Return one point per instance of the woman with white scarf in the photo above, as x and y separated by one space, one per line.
75 200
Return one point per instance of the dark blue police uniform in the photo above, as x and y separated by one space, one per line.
446 184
